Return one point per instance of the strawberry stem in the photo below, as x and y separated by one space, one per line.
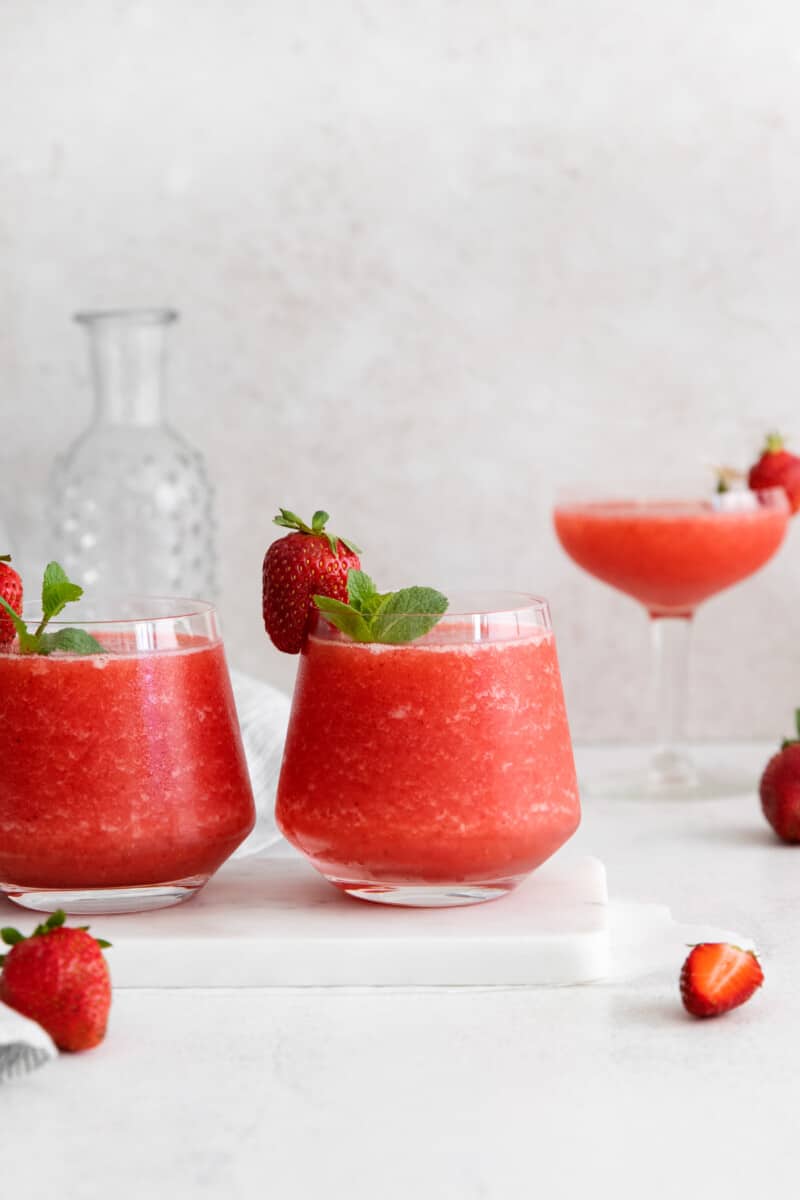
289 520
5 558
774 444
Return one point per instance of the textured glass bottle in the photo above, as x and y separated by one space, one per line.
134 503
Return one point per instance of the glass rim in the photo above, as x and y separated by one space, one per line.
714 502
151 316
181 608
503 603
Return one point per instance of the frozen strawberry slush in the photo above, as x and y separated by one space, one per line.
428 762
119 769
670 556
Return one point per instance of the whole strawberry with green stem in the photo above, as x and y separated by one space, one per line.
777 467
779 789
11 593
306 562
58 977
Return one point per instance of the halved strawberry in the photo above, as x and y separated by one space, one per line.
717 977
306 562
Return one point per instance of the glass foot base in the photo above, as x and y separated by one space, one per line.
108 901
421 895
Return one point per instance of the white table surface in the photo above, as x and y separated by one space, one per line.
466 1093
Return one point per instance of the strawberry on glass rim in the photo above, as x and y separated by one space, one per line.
777 467
306 562
11 595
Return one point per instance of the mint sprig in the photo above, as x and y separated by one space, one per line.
392 618
57 591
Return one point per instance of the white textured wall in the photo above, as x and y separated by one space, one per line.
434 259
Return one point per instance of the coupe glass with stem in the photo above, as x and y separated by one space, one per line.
671 556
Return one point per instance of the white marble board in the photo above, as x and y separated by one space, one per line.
272 921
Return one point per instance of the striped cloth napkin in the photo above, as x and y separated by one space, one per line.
24 1045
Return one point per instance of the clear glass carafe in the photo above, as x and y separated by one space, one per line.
133 500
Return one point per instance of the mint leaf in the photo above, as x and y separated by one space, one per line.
363 595
76 641
345 618
390 617
406 615
360 590
57 590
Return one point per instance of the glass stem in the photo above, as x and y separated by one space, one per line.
671 766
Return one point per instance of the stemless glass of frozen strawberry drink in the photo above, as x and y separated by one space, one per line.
124 784
434 772
671 556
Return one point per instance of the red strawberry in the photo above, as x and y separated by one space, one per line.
780 789
717 977
777 468
58 977
296 567
11 592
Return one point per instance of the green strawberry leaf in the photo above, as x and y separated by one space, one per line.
345 618
53 922
406 615
103 944
11 936
289 520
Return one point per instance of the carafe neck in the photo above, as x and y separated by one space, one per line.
127 350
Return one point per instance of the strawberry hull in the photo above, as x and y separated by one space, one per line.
429 765
119 770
